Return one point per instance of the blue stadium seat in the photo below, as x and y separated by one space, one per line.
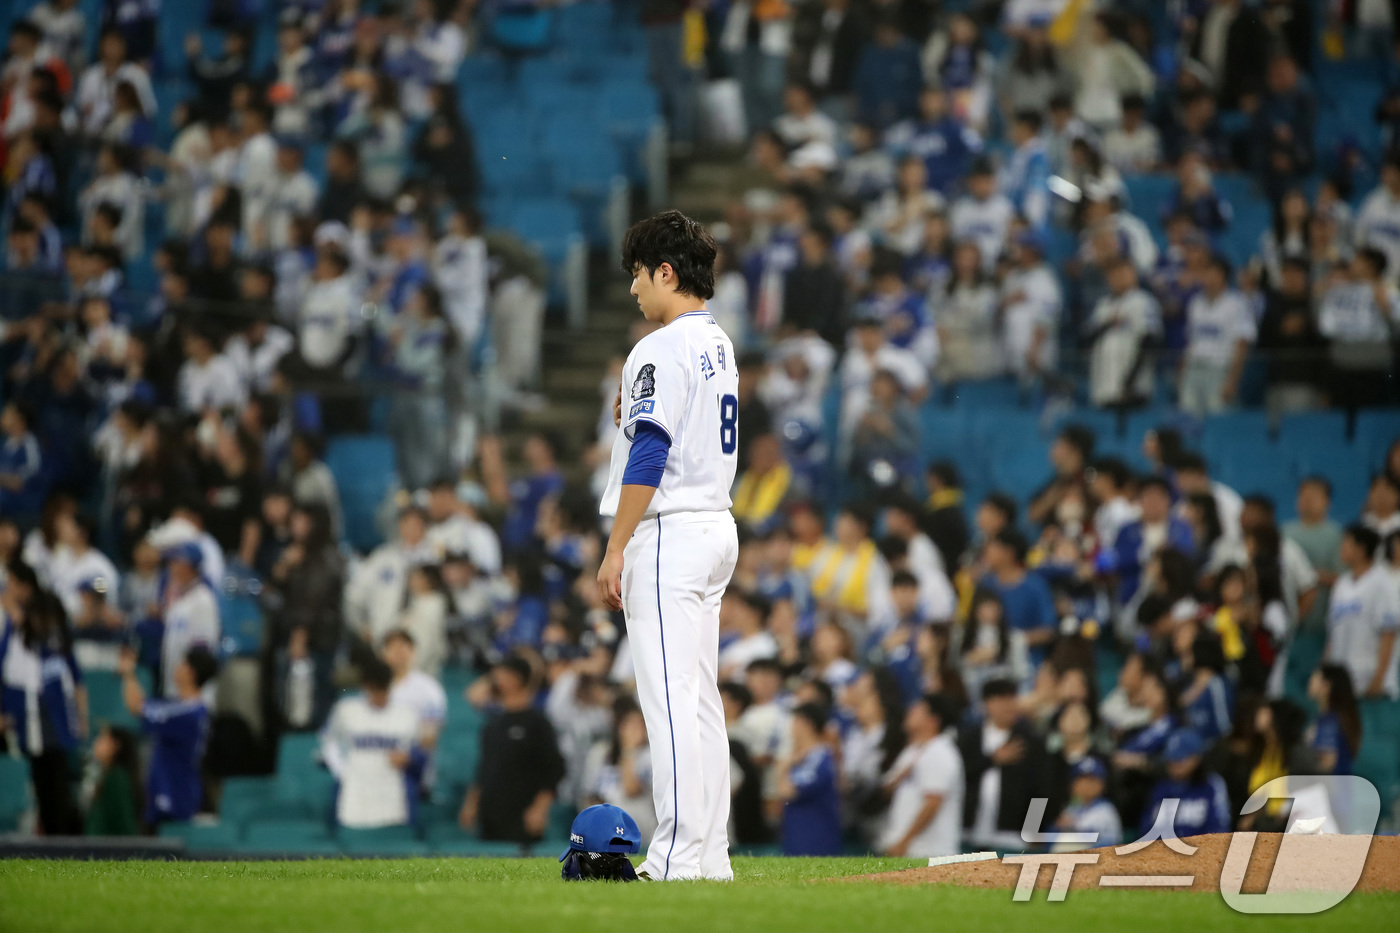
14 792
1376 430
202 837
364 470
942 433
387 840
988 393
1224 434
241 620
1315 430
284 835
105 702
468 847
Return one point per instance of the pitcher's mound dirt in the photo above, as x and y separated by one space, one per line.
1382 872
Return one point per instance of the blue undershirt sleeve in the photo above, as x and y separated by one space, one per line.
647 461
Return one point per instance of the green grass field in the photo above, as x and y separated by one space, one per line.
507 895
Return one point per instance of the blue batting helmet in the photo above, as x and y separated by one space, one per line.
599 842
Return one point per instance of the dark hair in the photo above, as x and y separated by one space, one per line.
674 239
127 757
1003 504
1080 438
517 666
1031 118
1152 608
375 674
824 689
1204 502
1207 653
1375 257
998 687
770 665
203 663
1154 482
1191 462
1341 702
739 692
1013 539
1317 479
892 703
814 714
969 632
903 578
1261 501
622 707
1115 469
1366 538
946 472
892 548
939 706
1289 723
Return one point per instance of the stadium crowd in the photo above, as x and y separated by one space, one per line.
903 669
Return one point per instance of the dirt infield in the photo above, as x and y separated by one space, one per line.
1382 872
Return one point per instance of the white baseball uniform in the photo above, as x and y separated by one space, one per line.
684 379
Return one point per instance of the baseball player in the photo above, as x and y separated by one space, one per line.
673 543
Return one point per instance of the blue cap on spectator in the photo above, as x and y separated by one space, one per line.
404 226
287 141
1089 767
1183 744
187 551
1032 239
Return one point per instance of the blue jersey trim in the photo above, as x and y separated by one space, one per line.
646 462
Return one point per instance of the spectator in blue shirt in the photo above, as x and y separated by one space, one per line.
888 77
1139 755
178 728
1336 737
1203 805
1207 697
526 494
1025 597
938 137
807 784
1139 540
21 465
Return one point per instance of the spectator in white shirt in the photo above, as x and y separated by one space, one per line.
1219 330
456 529
371 746
415 689
925 785
191 613
208 380
1109 486
802 123
745 617
1120 331
1363 307
65 30
1382 514
1134 146
869 354
291 194
378 585
461 272
1378 222
330 316
99 81
76 563
983 215
1031 305
1364 617
117 186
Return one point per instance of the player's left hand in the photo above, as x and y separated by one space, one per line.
610 580
617 407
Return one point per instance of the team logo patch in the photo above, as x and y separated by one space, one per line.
642 408
645 384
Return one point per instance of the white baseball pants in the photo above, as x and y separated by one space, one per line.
675 570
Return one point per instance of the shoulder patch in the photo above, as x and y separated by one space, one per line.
641 408
645 384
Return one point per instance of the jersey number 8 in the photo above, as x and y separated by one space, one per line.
728 424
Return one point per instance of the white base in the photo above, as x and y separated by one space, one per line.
954 859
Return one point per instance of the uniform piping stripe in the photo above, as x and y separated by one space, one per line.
666 684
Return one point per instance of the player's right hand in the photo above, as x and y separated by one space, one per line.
610 580
617 407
